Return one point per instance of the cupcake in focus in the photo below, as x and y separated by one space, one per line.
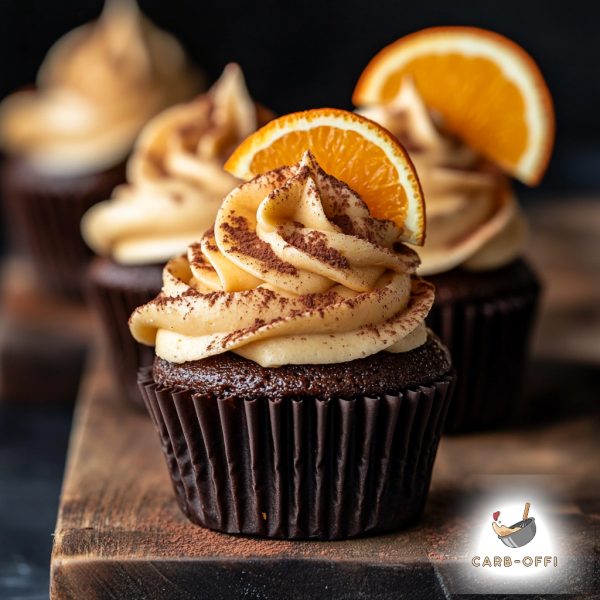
296 390
471 108
67 140
175 184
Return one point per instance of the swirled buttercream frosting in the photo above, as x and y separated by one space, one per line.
97 87
473 219
295 271
176 180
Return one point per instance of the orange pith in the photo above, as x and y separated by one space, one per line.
349 147
487 89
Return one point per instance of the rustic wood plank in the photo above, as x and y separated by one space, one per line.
564 243
119 524
120 533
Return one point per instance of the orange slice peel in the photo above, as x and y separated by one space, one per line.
348 146
487 89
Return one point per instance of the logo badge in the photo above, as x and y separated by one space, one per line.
518 534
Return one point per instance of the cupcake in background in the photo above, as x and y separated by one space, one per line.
67 140
296 390
466 126
175 184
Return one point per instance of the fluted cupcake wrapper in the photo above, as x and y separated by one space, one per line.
307 468
489 343
47 218
113 305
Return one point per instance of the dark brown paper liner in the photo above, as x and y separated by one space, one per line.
307 468
45 214
113 304
488 339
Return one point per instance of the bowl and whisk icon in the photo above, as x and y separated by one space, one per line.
520 533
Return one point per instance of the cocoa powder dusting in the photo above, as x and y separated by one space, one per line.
315 244
344 222
197 259
246 242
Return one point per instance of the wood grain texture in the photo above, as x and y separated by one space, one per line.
564 246
120 533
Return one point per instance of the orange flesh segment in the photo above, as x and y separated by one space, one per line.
468 103
349 147
489 92
336 152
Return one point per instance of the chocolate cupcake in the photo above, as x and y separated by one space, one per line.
486 319
175 185
296 391
67 140
486 292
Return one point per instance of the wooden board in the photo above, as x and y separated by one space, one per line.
120 533
563 244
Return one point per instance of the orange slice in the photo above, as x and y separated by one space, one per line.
351 148
487 89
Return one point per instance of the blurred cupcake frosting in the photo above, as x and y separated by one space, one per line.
176 180
295 271
96 89
473 219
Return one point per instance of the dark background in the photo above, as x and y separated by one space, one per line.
295 56
309 54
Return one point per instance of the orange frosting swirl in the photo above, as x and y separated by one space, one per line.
473 219
176 180
295 271
97 87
